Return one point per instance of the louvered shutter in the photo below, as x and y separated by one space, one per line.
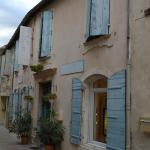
98 17
116 112
17 102
25 45
27 104
8 62
26 93
20 99
76 111
12 62
16 65
3 65
10 105
46 39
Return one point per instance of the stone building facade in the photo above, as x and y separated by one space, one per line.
82 46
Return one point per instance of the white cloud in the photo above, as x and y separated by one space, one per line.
5 34
7 31
11 14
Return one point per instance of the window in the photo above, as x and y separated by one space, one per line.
97 18
46 34
106 123
98 112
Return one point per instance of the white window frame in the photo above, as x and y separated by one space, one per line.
90 115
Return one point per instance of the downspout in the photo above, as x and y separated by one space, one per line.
128 77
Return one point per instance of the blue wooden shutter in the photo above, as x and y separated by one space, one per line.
17 102
3 64
16 65
7 68
26 92
20 100
116 112
98 17
75 131
46 39
10 105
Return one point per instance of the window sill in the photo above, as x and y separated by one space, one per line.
95 145
99 42
44 58
94 38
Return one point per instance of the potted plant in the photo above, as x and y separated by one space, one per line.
49 97
36 68
29 98
51 132
52 96
22 126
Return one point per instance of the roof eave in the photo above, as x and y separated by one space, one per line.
25 20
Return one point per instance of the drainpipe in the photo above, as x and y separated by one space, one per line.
128 77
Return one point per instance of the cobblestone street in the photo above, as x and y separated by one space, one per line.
9 141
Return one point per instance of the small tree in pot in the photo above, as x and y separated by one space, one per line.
22 126
51 131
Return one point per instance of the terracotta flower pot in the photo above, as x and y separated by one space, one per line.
49 147
24 140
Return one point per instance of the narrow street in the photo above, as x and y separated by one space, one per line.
9 141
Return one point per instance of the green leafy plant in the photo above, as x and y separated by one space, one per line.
22 124
29 98
51 131
50 96
36 68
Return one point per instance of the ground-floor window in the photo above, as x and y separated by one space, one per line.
98 105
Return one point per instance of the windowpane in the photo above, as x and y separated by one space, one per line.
99 111
101 83
99 121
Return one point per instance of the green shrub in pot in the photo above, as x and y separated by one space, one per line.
51 131
22 126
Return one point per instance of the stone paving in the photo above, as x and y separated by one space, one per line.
9 141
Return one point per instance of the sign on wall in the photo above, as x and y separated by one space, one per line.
73 67
25 45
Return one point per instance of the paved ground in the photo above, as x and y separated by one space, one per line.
9 141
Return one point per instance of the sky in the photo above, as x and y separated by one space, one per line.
11 14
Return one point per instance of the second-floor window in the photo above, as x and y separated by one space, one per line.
46 34
98 18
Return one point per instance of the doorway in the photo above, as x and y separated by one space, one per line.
45 89
98 109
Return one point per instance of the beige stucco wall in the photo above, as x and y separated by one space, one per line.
140 73
101 56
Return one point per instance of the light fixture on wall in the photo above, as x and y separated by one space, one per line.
60 115
145 124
